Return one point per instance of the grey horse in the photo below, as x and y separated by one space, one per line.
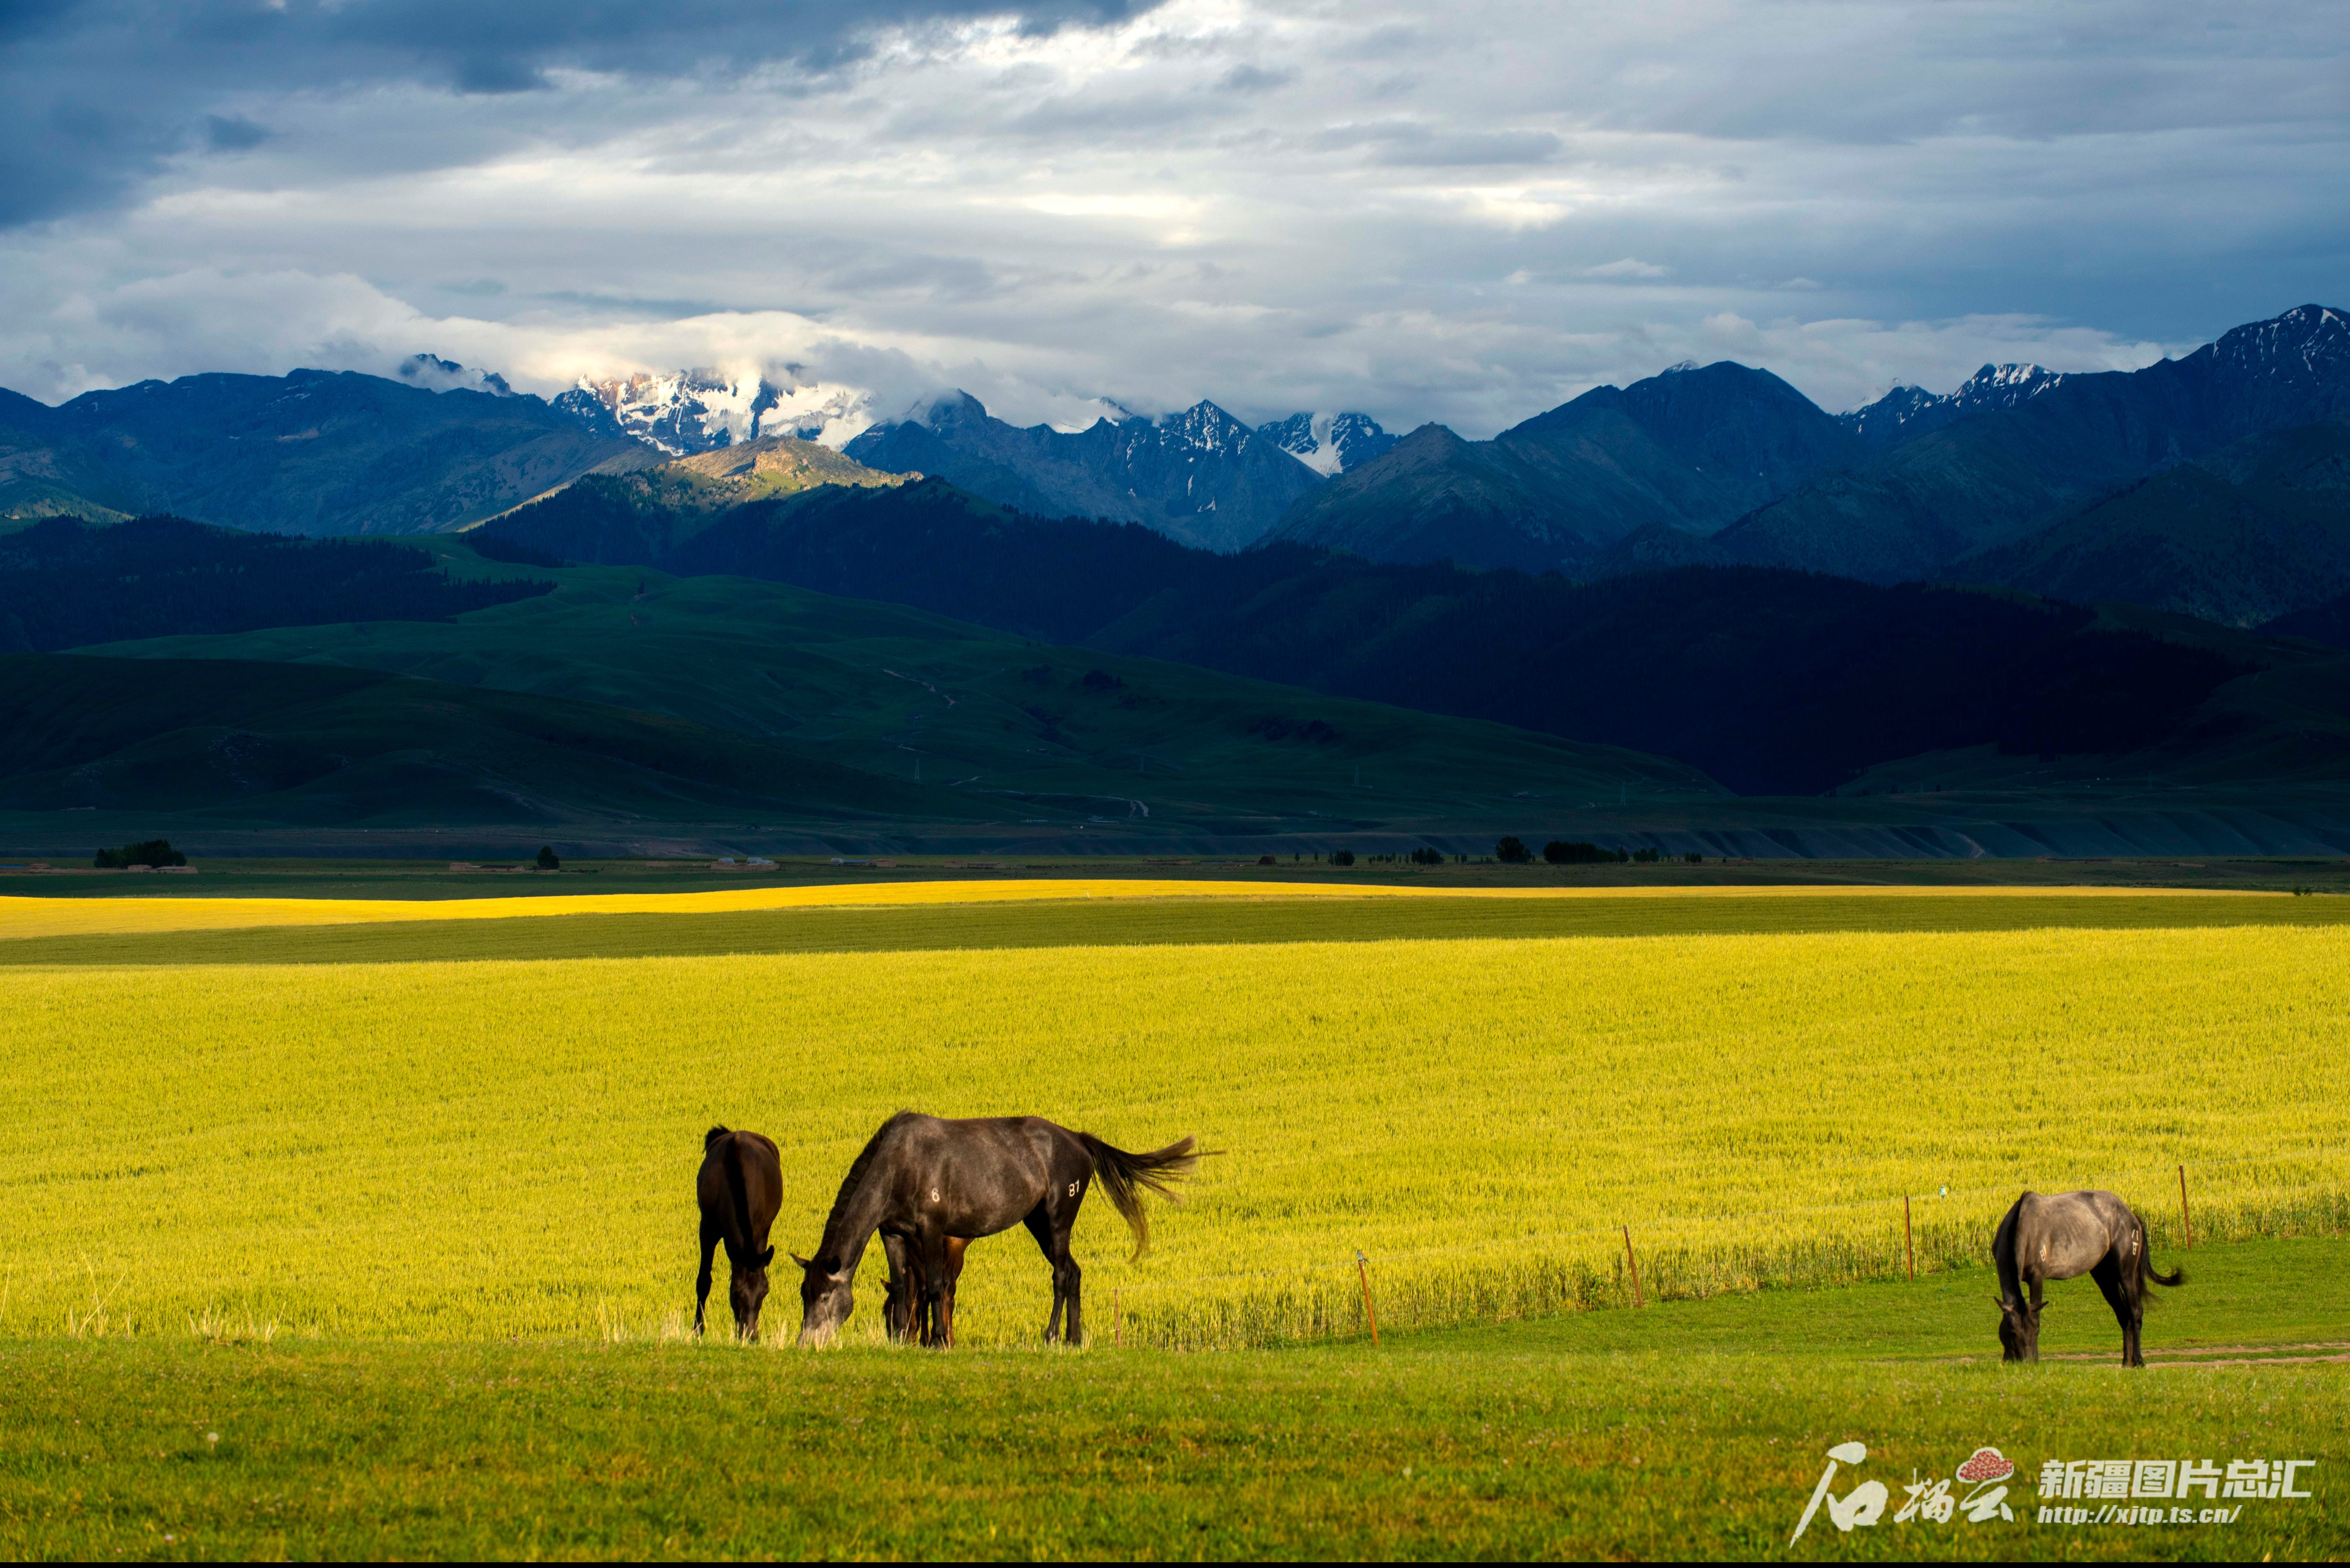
2063 1237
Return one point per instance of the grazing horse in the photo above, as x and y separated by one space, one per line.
905 1308
2062 1238
739 1187
926 1180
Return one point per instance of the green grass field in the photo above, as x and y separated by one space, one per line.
401 1211
1684 1430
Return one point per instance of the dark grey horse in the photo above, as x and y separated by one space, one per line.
739 1188
924 1180
2062 1237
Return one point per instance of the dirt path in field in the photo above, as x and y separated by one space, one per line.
2301 1354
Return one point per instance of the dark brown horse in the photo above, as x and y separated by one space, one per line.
2063 1237
739 1187
924 1180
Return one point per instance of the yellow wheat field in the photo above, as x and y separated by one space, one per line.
469 1150
48 917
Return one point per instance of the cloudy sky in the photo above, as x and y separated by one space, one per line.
1466 213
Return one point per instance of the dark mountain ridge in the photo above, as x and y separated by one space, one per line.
1906 412
313 452
1691 449
1200 476
2256 530
1997 474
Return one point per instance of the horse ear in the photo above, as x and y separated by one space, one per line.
766 1257
803 1262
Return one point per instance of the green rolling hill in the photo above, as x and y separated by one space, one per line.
986 724
227 742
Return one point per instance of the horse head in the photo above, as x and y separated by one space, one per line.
2019 1330
747 1293
826 1298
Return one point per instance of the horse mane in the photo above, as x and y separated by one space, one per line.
857 1168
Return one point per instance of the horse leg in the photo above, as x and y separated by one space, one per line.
2108 1275
951 1270
936 1327
1068 1282
1040 1225
896 1297
702 1281
2032 1343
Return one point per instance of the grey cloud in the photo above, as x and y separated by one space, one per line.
232 133
163 66
1255 79
1411 144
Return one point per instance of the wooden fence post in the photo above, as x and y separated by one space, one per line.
2183 1214
1636 1267
1363 1272
1907 1245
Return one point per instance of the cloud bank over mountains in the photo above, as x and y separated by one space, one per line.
1465 216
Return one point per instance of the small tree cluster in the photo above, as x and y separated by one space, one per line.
547 859
152 852
1342 857
1513 851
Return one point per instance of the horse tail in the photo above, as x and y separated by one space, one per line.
1121 1174
2003 1255
2146 1270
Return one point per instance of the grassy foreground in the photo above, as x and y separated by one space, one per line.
1690 1429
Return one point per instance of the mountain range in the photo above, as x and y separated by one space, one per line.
1200 476
314 451
2207 485
2211 485
1691 448
1996 476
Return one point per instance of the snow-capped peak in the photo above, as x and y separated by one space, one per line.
1206 427
1906 411
688 411
2316 335
1328 443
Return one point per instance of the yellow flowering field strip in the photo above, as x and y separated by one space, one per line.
23 917
442 1150
1117 922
